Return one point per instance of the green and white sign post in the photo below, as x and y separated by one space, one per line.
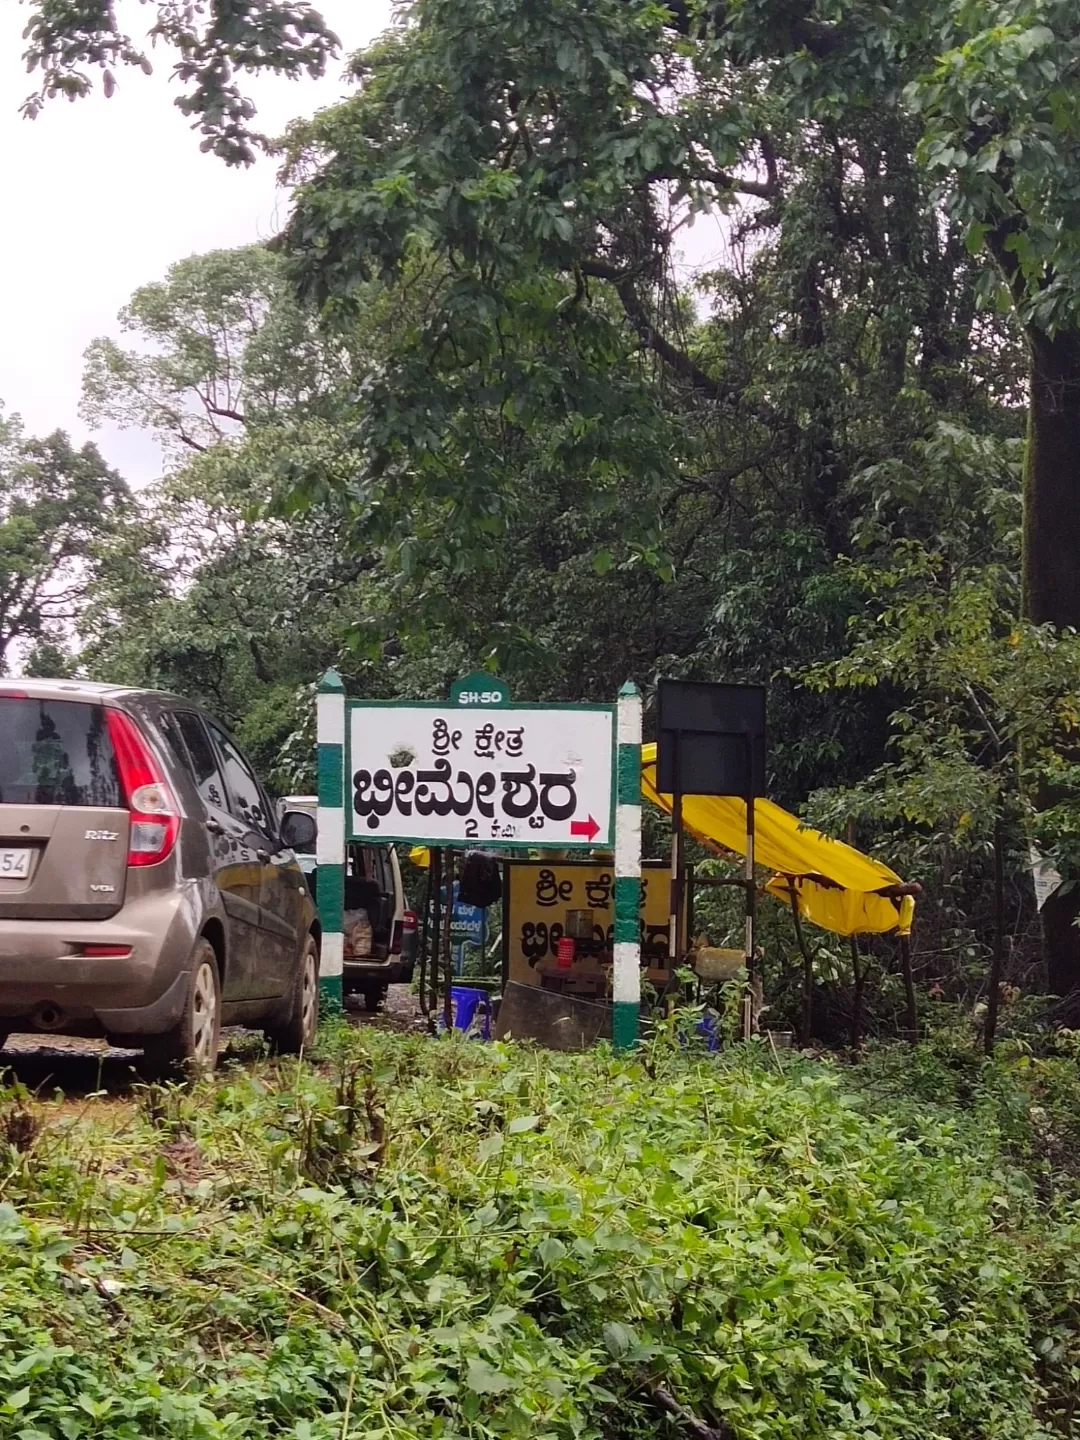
626 981
330 843
480 770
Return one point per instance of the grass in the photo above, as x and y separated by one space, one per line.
440 1238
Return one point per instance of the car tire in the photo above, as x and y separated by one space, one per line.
190 1049
298 1025
374 995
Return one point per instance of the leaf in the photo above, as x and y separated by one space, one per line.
620 1339
484 1379
489 1148
18 1399
602 562
551 1250
521 1123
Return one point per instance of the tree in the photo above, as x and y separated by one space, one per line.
63 518
215 41
223 350
572 143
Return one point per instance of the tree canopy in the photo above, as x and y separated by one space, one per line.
63 517
215 43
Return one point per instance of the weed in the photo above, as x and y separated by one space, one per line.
444 1239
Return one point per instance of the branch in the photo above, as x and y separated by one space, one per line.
691 1425
261 672
768 154
722 179
683 366
801 33
222 411
1005 259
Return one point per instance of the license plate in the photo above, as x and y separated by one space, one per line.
15 864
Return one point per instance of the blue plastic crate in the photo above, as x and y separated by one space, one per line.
471 1010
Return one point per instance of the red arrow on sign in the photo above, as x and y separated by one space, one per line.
589 828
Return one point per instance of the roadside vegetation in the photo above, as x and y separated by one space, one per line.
442 1238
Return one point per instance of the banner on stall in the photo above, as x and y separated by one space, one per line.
538 896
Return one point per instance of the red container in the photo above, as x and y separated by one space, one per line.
564 955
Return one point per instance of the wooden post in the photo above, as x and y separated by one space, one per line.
808 971
909 988
997 963
860 973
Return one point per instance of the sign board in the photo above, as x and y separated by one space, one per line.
538 895
527 776
710 738
467 922
480 689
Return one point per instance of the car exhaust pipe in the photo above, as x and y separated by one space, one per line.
48 1016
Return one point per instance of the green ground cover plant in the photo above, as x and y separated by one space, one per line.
411 1238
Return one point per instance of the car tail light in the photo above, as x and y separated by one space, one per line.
101 952
407 925
155 818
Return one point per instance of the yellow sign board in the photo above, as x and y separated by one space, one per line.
539 896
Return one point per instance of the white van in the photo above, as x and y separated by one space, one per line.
381 935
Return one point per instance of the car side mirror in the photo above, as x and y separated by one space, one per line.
298 829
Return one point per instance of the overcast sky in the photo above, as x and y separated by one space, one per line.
103 195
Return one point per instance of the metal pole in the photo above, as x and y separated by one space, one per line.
448 951
505 958
626 978
751 893
330 712
425 930
429 979
675 948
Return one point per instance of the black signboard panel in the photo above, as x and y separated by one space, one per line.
710 738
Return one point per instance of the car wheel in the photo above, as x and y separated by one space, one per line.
190 1048
299 1023
374 995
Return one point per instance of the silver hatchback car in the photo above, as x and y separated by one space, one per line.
148 890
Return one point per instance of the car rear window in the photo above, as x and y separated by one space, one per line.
56 752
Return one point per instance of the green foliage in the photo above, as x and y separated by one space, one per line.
445 1238
1001 114
214 43
63 517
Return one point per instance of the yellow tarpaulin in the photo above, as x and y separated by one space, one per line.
834 883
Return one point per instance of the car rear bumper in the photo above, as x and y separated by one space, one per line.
47 984
358 973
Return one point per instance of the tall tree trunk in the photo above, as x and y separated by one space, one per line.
1052 562
1052 482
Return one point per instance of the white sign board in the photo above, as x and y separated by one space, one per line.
520 775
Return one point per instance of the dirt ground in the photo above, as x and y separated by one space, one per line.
46 1064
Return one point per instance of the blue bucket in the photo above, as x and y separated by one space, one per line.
707 1030
472 1010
